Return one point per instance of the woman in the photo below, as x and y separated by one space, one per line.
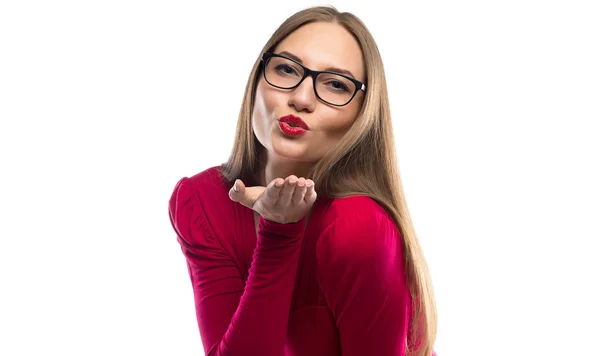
301 243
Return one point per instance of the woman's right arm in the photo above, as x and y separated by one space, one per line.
237 318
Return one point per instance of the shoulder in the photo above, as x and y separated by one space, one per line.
192 199
352 206
206 182
357 229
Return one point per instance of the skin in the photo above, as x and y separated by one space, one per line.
318 45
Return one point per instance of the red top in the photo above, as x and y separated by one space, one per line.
336 287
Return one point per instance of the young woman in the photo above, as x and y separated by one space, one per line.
302 243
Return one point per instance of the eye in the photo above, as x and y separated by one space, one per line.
338 86
285 69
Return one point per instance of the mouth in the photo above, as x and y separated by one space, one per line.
294 121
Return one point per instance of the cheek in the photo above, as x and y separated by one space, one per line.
259 112
264 102
262 113
336 127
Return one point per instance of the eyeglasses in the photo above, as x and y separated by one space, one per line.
331 87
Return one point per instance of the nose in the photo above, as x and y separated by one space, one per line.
303 97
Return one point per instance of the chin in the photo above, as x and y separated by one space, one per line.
292 149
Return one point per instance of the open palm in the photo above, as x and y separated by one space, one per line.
283 200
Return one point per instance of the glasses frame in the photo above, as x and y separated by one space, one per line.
313 73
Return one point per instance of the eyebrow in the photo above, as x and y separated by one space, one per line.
333 69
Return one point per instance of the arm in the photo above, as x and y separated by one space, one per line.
361 273
237 318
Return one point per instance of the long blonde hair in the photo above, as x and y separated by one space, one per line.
363 163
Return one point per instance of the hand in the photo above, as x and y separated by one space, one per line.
283 201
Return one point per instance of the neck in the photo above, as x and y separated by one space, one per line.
276 167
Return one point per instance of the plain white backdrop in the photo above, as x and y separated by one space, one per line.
104 106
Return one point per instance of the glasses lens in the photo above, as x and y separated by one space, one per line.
283 73
332 88
335 88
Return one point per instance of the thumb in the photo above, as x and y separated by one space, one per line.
246 196
238 191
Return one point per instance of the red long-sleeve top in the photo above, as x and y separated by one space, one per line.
334 287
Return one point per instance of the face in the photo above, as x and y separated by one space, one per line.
318 46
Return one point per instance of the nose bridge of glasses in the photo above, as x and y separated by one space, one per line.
306 84
309 76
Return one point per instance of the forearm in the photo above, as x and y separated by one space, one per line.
259 325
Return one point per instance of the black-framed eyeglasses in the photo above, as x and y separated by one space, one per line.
331 87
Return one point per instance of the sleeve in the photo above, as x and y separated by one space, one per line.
234 317
361 273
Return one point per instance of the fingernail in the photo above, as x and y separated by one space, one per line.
278 184
235 187
309 184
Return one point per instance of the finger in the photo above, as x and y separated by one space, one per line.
273 190
311 194
288 189
237 191
246 196
299 192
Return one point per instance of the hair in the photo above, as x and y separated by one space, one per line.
362 163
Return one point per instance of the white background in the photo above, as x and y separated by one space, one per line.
104 105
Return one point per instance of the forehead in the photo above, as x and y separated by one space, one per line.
321 45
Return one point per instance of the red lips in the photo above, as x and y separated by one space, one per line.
294 120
